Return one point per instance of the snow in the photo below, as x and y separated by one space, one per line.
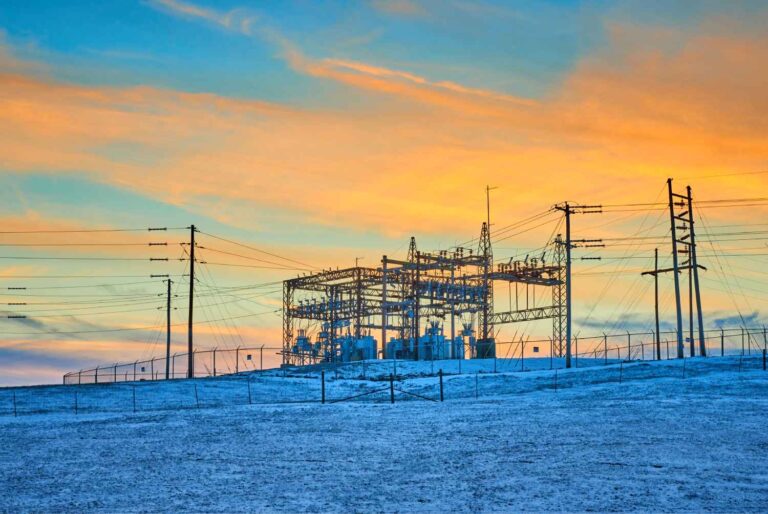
671 436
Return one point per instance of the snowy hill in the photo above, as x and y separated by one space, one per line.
639 436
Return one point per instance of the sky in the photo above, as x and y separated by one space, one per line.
325 132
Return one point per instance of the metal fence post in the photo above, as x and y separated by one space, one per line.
237 360
391 388
322 380
667 341
261 357
576 355
441 383
605 344
722 343
214 362
629 346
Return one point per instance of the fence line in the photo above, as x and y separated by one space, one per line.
233 361
273 387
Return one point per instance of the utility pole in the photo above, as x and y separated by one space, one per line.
675 269
655 274
568 291
695 266
567 210
190 345
689 241
168 332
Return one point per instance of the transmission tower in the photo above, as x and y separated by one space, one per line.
558 299
486 252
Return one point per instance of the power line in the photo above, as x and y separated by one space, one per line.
258 250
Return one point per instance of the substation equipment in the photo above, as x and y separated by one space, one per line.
432 305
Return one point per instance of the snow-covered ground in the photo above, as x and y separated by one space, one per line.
639 436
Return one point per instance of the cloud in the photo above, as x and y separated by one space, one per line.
632 111
236 20
749 320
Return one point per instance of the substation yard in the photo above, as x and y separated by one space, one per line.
658 436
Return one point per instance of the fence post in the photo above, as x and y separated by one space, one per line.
629 346
551 351
134 398
605 344
722 343
197 399
667 341
152 369
261 357
237 360
441 383
322 380
214 362
642 351
79 376
14 393
134 370
765 338
391 388
742 340
96 376
576 355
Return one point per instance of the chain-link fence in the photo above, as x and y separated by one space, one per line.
207 363
368 381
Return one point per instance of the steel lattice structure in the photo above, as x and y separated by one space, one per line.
396 298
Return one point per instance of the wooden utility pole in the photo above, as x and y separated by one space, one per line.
695 266
656 300
567 210
675 269
190 345
168 332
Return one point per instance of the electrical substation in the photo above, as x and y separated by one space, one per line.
429 305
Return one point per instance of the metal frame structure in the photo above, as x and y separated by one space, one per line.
401 296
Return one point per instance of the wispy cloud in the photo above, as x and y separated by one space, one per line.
237 20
